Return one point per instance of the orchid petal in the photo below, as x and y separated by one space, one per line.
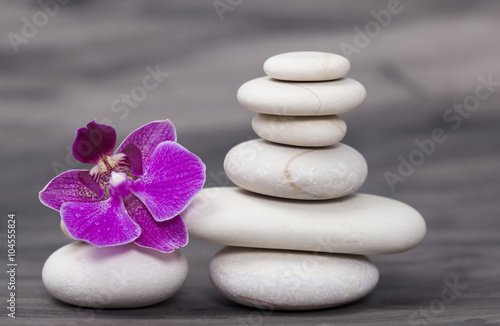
163 236
67 187
87 181
147 138
171 180
135 158
94 142
102 224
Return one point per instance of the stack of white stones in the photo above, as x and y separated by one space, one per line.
296 230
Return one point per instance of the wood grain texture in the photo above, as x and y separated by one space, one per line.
429 58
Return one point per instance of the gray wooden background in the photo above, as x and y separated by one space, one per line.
427 60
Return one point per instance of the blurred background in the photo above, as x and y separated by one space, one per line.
63 65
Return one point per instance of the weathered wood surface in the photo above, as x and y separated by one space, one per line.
429 57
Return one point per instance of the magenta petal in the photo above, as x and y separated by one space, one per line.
135 158
147 137
163 236
66 187
94 142
171 180
101 224
87 181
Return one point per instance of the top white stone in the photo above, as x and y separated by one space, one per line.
307 66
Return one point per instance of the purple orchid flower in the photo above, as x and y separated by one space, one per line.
137 194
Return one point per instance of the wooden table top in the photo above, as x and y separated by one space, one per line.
430 59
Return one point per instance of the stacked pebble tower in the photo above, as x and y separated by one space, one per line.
296 230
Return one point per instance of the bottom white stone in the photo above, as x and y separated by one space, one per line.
291 280
126 276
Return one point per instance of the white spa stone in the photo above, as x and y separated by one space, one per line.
271 96
356 224
307 66
291 280
126 276
300 131
295 172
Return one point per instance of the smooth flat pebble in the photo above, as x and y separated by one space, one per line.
291 280
296 172
357 224
271 96
307 66
300 131
126 276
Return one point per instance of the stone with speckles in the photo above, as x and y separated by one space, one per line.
271 96
356 224
294 172
291 280
307 66
126 276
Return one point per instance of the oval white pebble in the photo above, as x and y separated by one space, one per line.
356 224
294 172
271 96
307 66
291 280
126 276
300 131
